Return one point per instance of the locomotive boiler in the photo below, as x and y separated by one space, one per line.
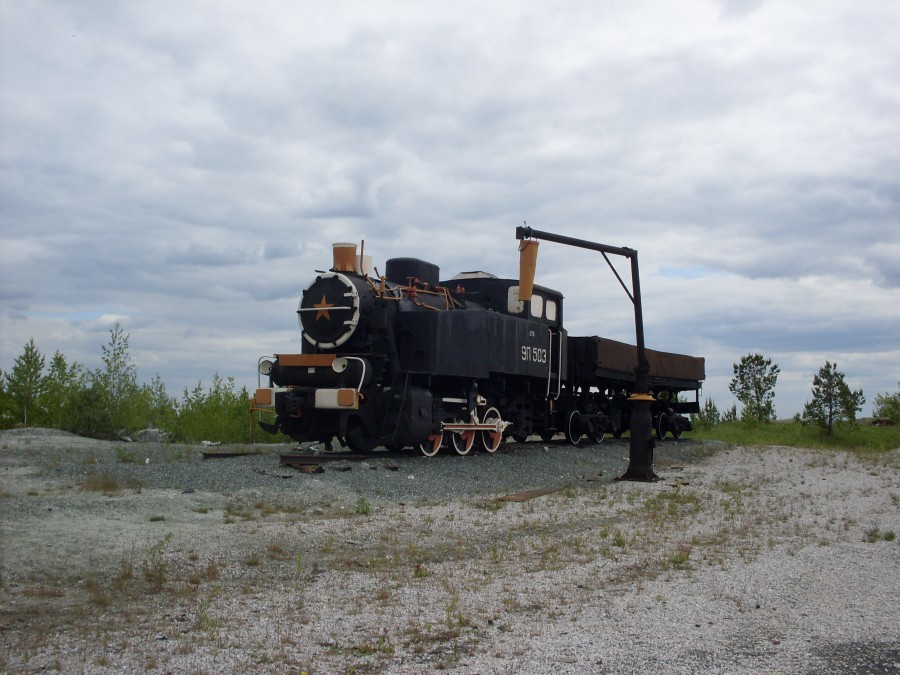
408 360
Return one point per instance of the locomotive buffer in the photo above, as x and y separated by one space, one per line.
640 455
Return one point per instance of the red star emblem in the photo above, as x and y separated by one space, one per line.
323 308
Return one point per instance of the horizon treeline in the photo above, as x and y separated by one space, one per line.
832 404
110 403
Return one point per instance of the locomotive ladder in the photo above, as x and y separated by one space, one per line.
555 340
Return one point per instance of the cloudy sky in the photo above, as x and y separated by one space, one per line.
182 168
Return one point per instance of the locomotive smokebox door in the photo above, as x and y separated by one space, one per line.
329 310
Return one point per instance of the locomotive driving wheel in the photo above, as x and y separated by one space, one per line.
490 440
431 445
462 442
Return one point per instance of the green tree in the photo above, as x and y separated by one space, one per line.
753 385
116 387
7 408
730 415
832 400
91 416
25 384
62 385
219 414
158 409
709 416
887 406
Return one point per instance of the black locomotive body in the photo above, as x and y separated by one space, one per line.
409 360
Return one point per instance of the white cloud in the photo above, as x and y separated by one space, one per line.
186 167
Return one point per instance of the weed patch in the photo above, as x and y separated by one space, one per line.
154 566
277 552
874 534
125 455
104 482
363 507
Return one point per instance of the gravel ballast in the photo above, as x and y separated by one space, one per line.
133 557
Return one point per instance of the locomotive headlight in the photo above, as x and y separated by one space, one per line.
265 367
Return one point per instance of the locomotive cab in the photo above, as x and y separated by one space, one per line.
502 295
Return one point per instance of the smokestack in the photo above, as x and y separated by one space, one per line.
344 257
528 250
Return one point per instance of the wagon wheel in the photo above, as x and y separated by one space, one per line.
662 424
430 447
573 427
676 429
596 429
490 440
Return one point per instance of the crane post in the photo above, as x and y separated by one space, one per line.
640 456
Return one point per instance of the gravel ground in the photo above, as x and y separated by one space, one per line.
121 557
391 477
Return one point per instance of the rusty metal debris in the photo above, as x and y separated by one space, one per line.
528 494
291 458
226 455
306 468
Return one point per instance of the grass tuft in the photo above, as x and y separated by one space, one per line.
363 507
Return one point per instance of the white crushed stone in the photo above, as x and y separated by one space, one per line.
784 573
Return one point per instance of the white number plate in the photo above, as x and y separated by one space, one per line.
534 354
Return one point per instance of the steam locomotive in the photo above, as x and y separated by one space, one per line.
407 360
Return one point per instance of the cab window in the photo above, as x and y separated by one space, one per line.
551 310
513 304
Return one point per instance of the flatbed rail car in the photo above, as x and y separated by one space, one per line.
607 366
